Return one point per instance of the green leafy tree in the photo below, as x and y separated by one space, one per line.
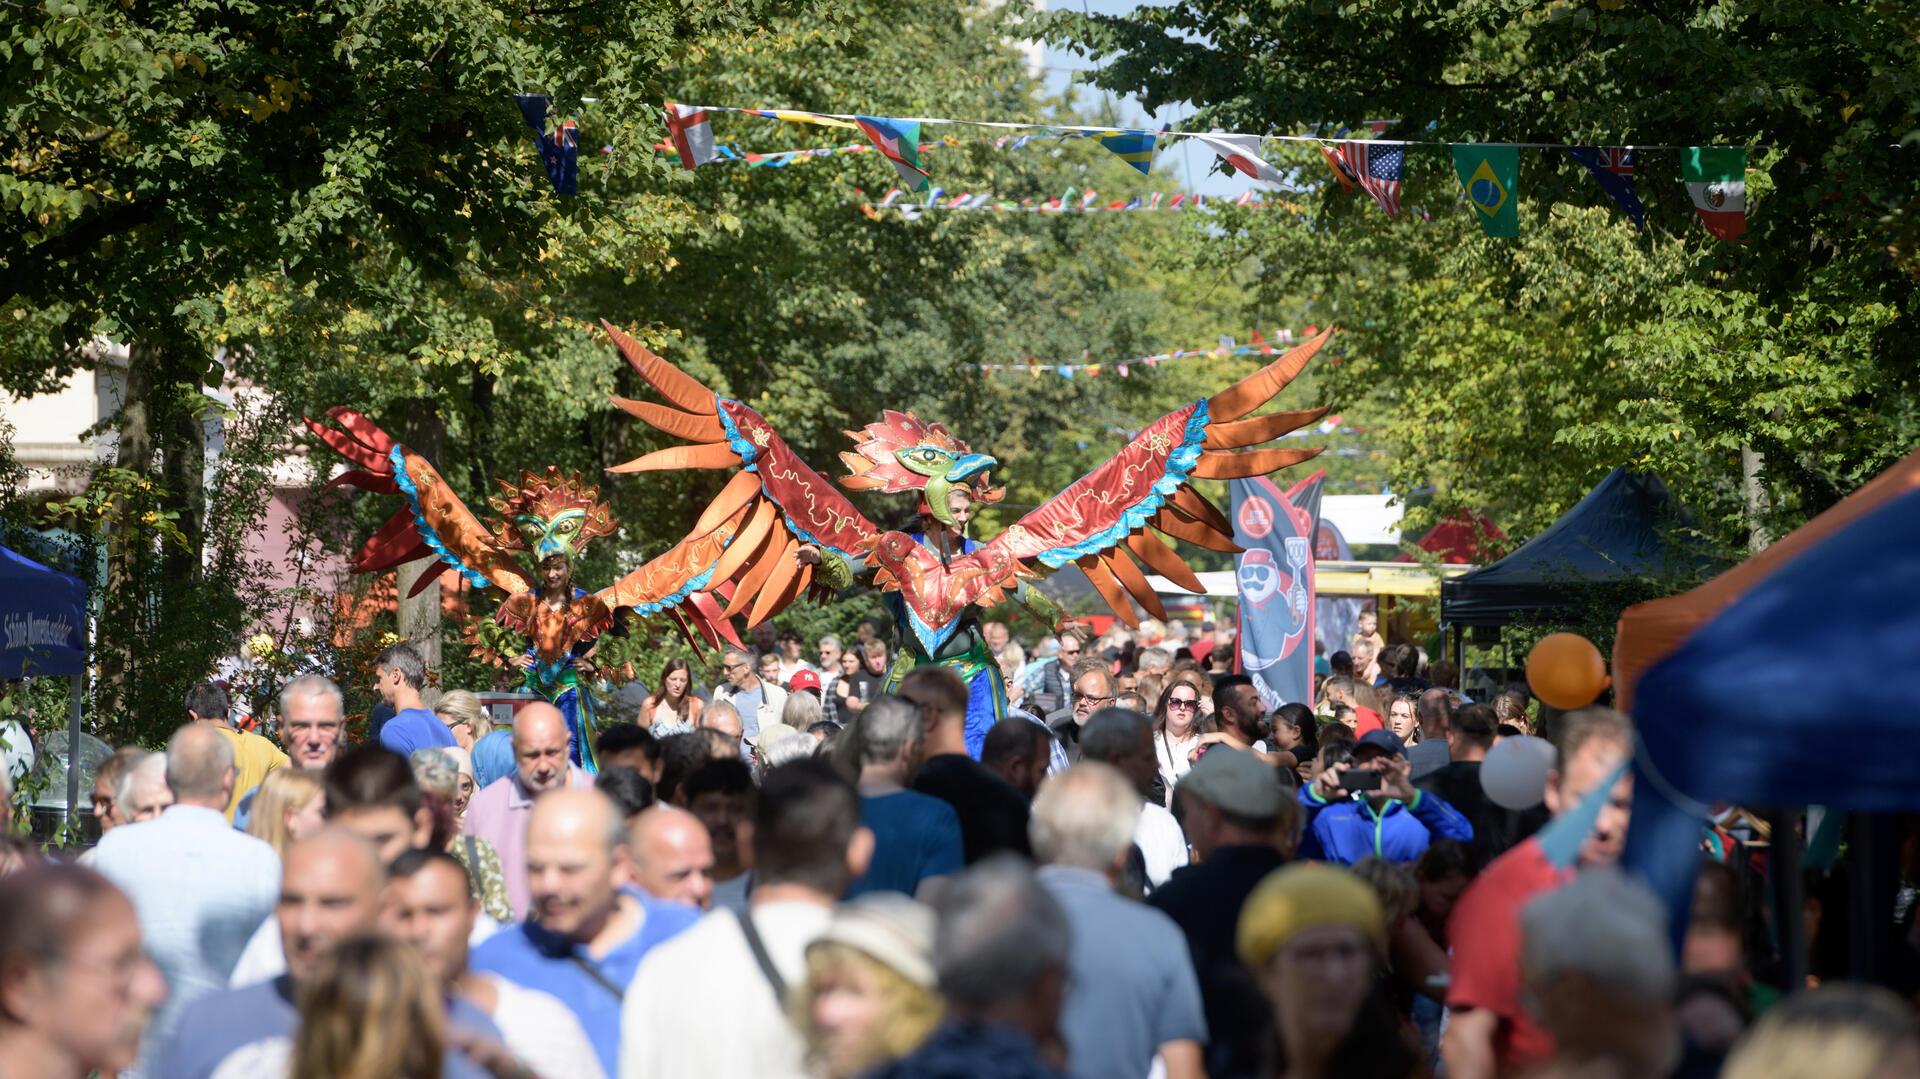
1509 375
191 175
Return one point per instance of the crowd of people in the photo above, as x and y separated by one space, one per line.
1142 871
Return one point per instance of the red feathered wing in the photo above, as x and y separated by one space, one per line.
1106 519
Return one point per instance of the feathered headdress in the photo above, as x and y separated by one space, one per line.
543 498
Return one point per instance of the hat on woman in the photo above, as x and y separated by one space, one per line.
1301 897
892 929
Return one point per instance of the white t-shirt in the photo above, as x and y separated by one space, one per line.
1162 844
1172 754
543 1033
700 1005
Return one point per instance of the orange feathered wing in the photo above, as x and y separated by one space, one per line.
433 522
775 503
1106 520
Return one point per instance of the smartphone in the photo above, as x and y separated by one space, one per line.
1360 781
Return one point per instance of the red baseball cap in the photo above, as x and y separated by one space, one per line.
804 679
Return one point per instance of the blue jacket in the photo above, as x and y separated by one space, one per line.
1345 832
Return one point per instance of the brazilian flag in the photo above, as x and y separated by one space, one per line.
1491 177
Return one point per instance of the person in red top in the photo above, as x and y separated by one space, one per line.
1339 690
1490 1031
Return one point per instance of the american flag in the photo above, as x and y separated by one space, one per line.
1376 167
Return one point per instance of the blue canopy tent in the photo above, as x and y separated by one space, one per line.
43 632
1728 715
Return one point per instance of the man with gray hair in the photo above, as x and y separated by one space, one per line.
916 836
1600 975
830 652
1126 1003
1123 738
758 701
313 725
142 793
1000 952
199 887
312 721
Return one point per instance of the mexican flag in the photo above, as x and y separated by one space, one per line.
1717 179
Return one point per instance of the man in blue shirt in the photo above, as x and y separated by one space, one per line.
1345 824
398 674
584 935
916 837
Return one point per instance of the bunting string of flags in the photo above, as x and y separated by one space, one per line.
1488 172
725 154
1070 202
1257 345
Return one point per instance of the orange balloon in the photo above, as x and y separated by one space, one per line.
1566 671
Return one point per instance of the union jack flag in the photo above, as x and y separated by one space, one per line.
1376 167
1615 159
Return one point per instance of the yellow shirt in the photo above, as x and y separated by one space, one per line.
253 758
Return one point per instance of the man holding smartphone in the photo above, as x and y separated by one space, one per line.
1368 806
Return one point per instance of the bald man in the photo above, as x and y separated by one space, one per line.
200 888
498 813
672 856
330 891
586 929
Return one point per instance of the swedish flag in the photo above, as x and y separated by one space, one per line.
1491 177
1134 147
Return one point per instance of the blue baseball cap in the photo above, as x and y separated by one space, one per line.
1382 738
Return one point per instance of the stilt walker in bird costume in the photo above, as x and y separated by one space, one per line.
791 529
545 627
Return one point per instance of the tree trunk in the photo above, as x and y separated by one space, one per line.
424 432
160 439
1754 494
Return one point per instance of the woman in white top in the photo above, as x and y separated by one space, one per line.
672 709
1177 727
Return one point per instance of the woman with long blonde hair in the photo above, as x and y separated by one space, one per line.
372 1010
288 807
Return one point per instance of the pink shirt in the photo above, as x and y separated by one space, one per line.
498 814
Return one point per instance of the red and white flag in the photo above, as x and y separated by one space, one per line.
1243 153
692 134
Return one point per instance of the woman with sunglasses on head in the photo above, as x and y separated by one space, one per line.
1177 728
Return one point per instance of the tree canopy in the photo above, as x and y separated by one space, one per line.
1511 374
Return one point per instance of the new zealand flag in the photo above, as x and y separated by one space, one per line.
559 149
1612 167
1275 572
